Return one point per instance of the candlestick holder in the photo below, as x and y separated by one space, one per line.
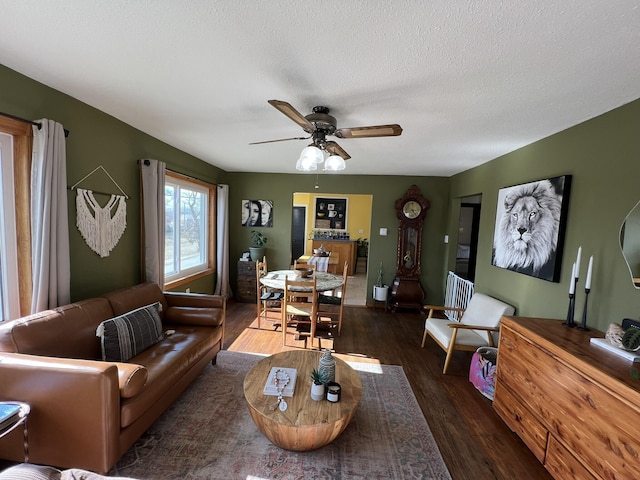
572 306
583 325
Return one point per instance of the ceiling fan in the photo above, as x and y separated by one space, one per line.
320 124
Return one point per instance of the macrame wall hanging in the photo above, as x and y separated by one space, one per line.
100 227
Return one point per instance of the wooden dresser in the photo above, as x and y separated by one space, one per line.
345 250
575 405
247 287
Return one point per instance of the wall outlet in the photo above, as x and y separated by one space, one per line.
383 232
446 239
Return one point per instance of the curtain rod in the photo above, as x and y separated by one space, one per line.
39 125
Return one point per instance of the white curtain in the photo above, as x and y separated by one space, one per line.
51 270
152 174
222 278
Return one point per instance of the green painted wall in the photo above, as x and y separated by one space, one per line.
385 191
603 156
99 139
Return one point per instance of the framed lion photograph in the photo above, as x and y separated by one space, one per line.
530 223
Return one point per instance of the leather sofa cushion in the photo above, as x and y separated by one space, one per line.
131 379
125 336
130 298
64 332
166 362
206 317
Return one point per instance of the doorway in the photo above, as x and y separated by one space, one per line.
305 227
468 230
298 235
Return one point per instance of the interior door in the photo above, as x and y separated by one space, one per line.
298 232
467 248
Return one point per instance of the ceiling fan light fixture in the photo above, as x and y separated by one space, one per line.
309 159
314 152
334 163
319 125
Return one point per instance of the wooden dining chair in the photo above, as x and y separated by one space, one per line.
331 309
311 266
299 309
269 299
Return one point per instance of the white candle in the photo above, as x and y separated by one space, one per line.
587 284
578 262
572 283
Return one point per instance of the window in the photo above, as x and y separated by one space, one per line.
9 299
15 247
189 220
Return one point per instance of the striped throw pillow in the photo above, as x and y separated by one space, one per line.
125 336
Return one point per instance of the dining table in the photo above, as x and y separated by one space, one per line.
324 281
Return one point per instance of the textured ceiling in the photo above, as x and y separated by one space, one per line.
467 80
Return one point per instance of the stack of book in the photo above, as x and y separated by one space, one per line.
10 413
270 385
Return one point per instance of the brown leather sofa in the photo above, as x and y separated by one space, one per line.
85 413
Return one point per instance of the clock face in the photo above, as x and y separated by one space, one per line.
411 209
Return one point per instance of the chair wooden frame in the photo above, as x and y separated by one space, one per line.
299 304
269 300
490 311
310 266
330 317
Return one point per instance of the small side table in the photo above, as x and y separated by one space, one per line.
14 420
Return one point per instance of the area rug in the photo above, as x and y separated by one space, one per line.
208 434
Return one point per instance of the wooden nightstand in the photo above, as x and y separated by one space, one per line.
247 288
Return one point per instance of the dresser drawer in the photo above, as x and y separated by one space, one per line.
521 421
562 464
247 268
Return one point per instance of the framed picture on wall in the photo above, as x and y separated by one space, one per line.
530 224
331 213
257 213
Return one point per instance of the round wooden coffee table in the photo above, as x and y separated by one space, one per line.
306 424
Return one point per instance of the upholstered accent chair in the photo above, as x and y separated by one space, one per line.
478 326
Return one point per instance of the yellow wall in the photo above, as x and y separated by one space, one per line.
358 213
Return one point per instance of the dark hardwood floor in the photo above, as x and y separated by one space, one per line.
473 440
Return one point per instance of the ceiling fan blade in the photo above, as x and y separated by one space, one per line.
293 114
334 149
280 140
391 130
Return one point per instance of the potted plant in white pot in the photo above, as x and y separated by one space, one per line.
380 290
257 248
317 386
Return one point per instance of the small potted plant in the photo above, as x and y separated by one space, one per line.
380 290
317 385
257 248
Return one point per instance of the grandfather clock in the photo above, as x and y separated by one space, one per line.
411 209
